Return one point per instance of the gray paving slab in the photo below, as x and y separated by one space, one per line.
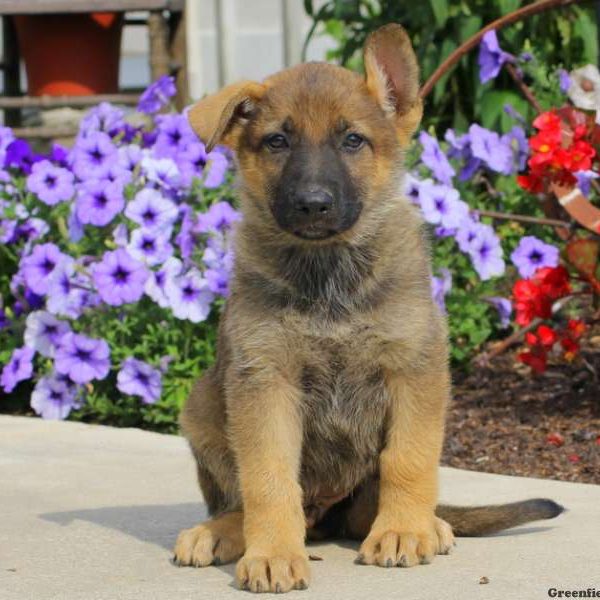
90 512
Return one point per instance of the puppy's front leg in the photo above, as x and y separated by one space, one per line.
406 531
266 434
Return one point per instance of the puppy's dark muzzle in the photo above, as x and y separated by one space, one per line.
310 213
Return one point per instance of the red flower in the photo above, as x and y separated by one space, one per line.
547 336
570 347
530 302
555 439
578 157
531 339
536 359
576 328
553 281
531 183
574 458
546 121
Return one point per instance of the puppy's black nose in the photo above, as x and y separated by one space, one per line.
313 203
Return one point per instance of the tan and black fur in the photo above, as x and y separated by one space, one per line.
324 413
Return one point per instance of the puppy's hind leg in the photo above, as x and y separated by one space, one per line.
214 542
221 539
361 512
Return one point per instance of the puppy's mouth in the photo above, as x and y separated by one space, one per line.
314 233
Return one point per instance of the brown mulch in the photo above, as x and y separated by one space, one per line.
505 420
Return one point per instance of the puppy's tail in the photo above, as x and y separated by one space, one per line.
469 521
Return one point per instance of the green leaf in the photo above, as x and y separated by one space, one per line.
440 11
585 30
508 6
492 108
469 26
441 87
309 8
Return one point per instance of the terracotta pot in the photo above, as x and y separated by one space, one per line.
71 54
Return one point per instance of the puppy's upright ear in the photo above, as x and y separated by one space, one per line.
393 77
217 118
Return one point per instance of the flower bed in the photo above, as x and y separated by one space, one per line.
115 258
116 252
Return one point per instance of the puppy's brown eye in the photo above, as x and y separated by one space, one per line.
353 141
276 141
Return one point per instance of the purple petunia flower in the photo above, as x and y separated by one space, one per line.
433 157
152 210
82 358
174 133
491 57
158 281
487 146
150 247
51 184
411 188
75 226
118 174
189 296
218 258
19 368
93 155
53 398
129 157
105 117
69 291
441 205
4 320
7 137
440 287
486 254
219 216
215 170
138 378
504 308
19 155
467 234
8 228
99 202
119 278
39 265
121 235
29 230
564 80
186 239
59 155
584 181
162 173
516 138
531 254
459 146
43 332
157 95
218 281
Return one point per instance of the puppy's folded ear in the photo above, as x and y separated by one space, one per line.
217 118
393 77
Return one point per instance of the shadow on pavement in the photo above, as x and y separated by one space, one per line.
155 523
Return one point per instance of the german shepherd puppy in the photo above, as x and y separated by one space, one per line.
324 413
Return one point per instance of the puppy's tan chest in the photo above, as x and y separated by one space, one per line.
344 404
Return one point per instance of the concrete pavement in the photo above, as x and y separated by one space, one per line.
91 513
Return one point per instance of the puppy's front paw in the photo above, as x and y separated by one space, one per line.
272 572
404 546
